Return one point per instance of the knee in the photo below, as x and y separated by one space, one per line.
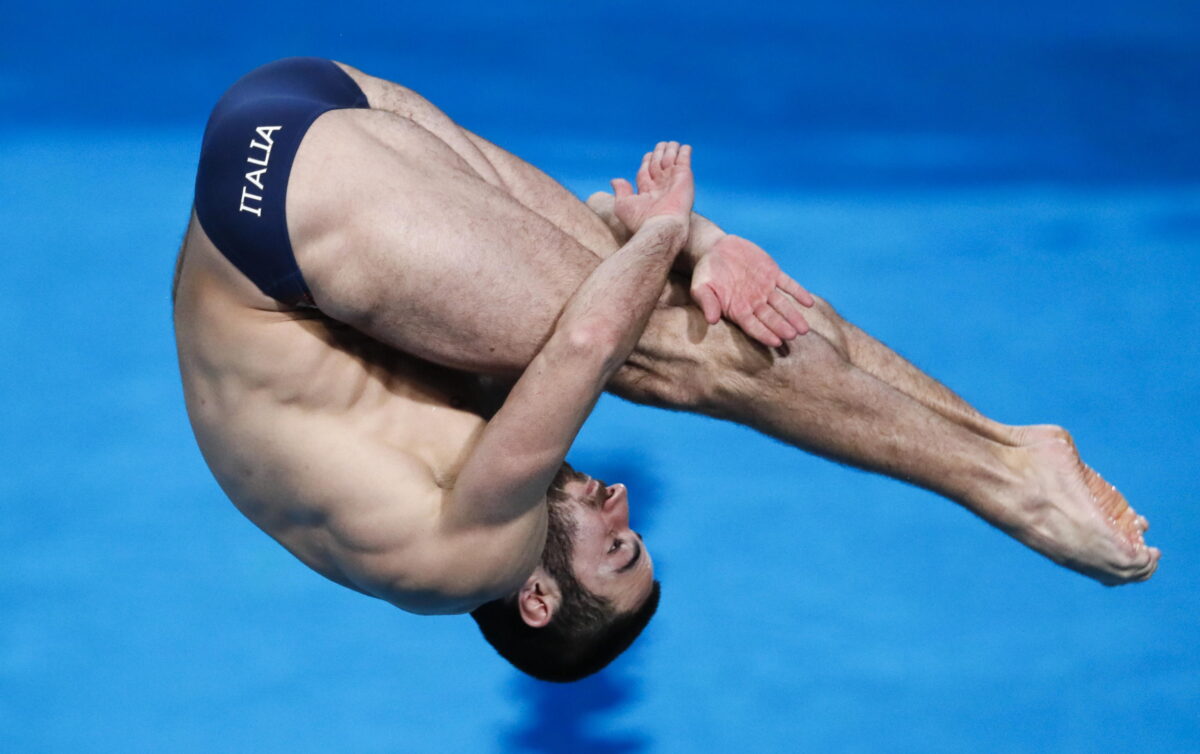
826 322
684 363
680 362
686 385
650 389
749 372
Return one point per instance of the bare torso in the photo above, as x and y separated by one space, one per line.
292 408
271 391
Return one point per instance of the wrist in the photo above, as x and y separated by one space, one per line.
704 235
670 225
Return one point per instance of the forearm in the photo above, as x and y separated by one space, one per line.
702 234
524 444
614 302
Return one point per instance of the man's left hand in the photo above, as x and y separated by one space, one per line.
739 280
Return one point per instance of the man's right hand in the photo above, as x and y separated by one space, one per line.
665 187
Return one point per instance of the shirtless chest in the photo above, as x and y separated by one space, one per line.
339 444
276 395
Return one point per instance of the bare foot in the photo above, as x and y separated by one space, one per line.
1075 517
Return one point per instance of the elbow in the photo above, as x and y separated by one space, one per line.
594 341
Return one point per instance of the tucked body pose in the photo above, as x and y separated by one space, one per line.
390 331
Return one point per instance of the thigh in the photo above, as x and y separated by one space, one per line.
524 182
549 198
398 236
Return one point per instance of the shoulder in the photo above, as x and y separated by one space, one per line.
429 565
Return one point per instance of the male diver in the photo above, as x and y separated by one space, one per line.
363 279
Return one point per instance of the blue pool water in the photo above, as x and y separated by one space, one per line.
1009 195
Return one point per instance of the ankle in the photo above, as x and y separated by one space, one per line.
1006 489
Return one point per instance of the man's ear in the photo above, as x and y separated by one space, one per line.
539 598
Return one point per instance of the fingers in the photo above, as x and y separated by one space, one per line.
657 164
775 322
666 155
676 155
621 188
779 316
789 310
706 297
766 324
685 156
795 290
643 174
752 326
670 154
656 161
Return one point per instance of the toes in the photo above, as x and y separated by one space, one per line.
1127 520
1152 566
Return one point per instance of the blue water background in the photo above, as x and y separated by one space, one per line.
1007 193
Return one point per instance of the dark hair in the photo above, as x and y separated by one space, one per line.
585 633
554 652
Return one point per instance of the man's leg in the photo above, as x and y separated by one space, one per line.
881 362
450 265
873 357
1011 476
1030 485
1045 452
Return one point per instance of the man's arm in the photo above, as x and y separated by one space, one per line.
522 447
702 232
524 444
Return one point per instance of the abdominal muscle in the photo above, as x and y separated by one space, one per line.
269 390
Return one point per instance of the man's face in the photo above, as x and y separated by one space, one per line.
608 558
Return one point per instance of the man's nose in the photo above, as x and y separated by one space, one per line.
616 506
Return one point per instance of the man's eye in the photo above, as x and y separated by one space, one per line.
616 545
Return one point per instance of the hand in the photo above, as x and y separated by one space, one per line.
665 187
738 279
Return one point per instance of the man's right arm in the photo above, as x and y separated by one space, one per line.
702 232
505 479
524 444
